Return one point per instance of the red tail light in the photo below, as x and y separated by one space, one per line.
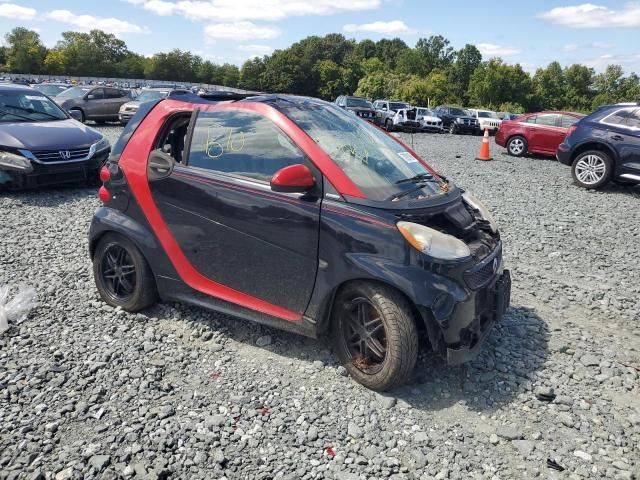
571 129
104 194
105 174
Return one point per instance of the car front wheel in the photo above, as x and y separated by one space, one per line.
122 275
388 125
592 169
452 128
517 146
374 335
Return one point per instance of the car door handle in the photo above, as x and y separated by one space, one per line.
618 138
160 165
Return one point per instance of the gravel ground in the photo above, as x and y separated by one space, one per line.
87 391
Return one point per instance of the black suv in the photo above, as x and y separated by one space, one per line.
604 146
457 120
358 105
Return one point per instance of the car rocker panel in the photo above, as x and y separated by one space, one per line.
289 259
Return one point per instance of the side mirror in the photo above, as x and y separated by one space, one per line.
293 179
76 115
90 97
384 108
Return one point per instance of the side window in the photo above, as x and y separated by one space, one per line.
548 120
241 143
634 120
620 117
98 93
531 119
568 120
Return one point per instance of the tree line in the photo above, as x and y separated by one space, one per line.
432 72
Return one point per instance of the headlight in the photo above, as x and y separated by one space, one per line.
432 242
459 120
476 204
16 163
100 145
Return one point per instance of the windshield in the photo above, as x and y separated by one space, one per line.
426 112
151 96
373 160
398 105
74 92
460 112
358 102
25 106
487 115
51 90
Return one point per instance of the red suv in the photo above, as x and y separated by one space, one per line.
539 133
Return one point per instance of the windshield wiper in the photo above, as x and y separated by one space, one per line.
417 178
4 113
31 110
420 185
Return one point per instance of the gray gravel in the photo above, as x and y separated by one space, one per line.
87 391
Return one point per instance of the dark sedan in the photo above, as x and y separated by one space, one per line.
40 144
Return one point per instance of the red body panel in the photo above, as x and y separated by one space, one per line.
541 139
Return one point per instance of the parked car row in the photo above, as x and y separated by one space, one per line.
601 147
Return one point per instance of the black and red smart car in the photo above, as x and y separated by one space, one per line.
291 212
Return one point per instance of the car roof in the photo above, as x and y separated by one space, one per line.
16 87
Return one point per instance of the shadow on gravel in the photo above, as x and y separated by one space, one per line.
506 367
51 196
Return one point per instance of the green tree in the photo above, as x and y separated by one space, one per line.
412 62
436 51
467 60
578 88
495 82
550 87
25 52
251 74
389 50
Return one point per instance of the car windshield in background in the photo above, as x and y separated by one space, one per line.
151 96
369 157
398 105
426 112
51 90
460 112
358 102
24 106
74 92
487 115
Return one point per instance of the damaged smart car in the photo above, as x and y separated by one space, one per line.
293 213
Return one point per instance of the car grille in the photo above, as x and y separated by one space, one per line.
480 275
492 124
365 114
469 122
70 155
433 124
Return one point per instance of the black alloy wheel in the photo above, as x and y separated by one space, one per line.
122 275
374 334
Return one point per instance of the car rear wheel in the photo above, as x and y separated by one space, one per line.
82 117
592 169
517 146
122 275
374 335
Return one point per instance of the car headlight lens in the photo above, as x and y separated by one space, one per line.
459 120
16 163
476 204
101 144
432 242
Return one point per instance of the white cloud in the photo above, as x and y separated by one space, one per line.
603 45
570 47
492 50
11 10
89 22
243 10
256 50
589 15
387 28
629 62
239 31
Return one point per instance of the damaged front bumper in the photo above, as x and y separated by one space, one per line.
489 304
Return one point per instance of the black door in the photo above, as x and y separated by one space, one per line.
228 222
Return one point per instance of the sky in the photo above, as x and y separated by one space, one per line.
530 32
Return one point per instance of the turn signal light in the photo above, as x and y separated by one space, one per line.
104 194
571 129
105 174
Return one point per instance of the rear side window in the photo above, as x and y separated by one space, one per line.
241 143
624 117
112 93
634 121
568 120
549 120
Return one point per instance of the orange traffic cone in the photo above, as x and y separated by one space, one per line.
484 147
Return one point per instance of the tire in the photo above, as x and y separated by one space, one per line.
388 125
592 169
452 128
143 292
517 146
395 331
83 118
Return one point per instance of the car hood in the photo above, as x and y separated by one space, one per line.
60 134
360 109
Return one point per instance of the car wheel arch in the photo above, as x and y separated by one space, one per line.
595 145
